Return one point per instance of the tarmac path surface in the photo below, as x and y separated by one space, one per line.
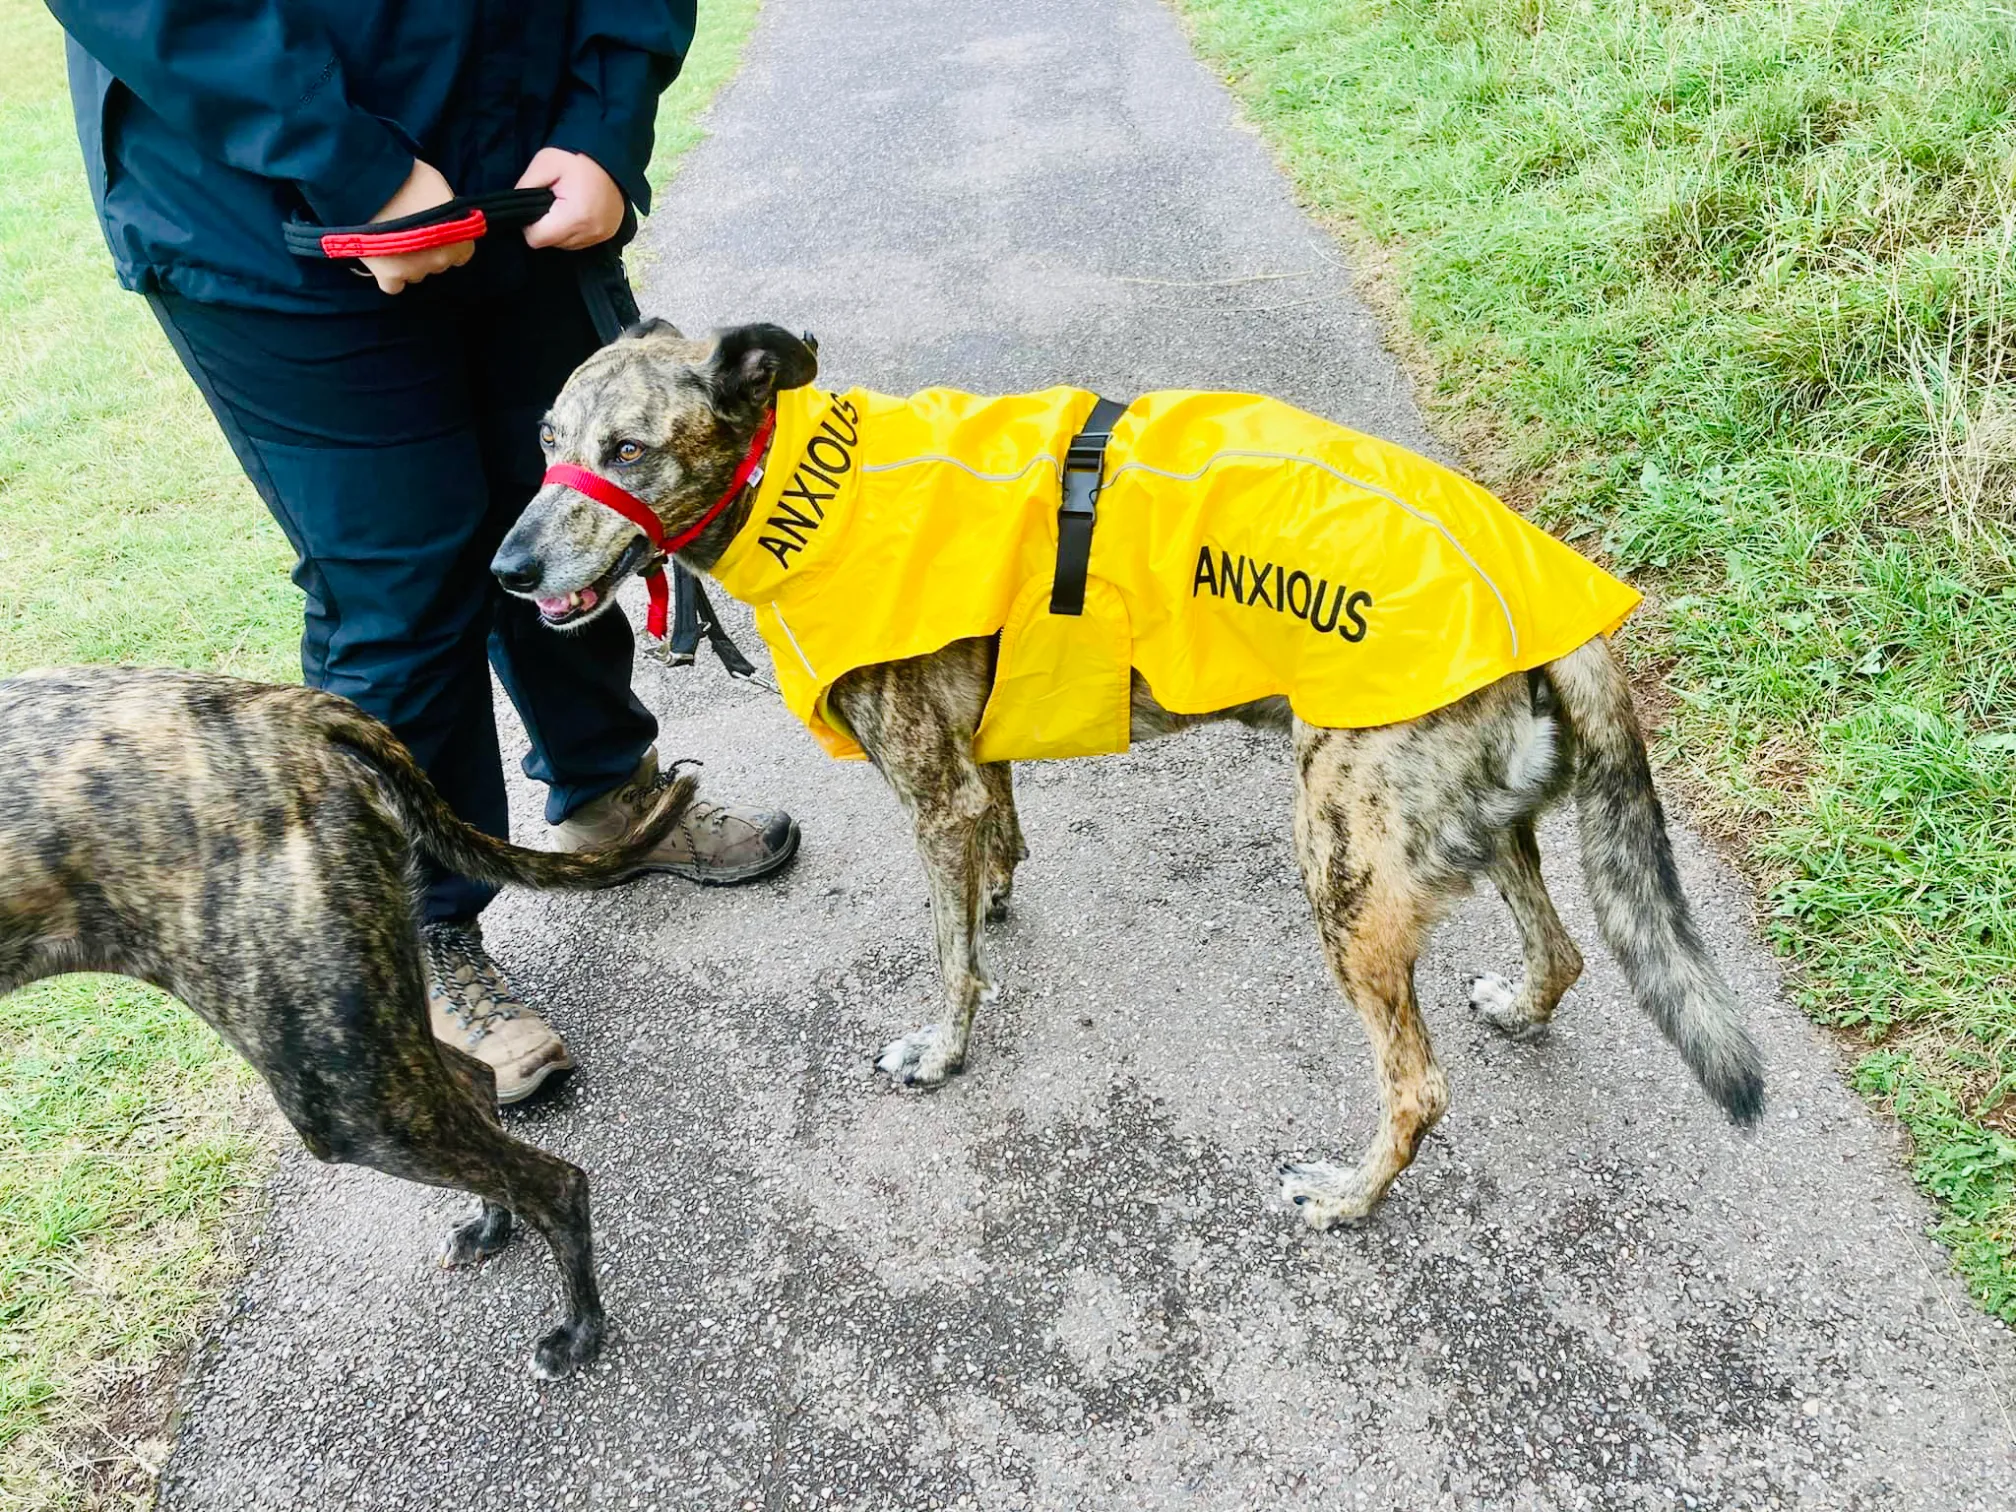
1066 1281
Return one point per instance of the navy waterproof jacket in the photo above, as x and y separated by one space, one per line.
207 123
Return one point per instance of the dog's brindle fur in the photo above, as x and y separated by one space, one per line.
1391 824
250 850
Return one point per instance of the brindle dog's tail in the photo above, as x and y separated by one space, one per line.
435 829
1636 887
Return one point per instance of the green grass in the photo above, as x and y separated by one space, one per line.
124 1151
127 534
717 49
1725 291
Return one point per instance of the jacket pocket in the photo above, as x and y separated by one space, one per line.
1062 684
94 101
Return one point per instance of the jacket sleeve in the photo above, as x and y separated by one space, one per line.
256 85
624 54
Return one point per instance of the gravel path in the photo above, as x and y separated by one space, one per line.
1065 1281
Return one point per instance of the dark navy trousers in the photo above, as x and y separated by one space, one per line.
395 447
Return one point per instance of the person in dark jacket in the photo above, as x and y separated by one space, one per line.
388 413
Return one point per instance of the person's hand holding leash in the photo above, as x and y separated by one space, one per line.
423 190
587 205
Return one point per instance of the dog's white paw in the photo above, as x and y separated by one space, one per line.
1324 1194
922 1058
474 1242
1497 1003
566 1349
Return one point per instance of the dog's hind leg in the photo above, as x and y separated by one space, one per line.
459 1147
1373 961
1004 845
397 1110
343 1040
1372 914
1552 961
490 1230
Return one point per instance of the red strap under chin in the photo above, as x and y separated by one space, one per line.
640 514
657 616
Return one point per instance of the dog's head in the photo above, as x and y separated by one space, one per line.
663 418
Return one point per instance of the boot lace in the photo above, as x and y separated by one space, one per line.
472 985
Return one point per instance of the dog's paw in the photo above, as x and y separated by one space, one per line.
1324 1194
920 1059
566 1349
997 904
1496 1001
477 1240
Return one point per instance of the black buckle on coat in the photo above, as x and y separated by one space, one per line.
1084 462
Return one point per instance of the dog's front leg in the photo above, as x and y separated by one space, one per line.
916 719
952 841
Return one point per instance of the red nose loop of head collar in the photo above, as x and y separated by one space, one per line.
640 514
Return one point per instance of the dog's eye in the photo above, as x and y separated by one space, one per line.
629 451
546 437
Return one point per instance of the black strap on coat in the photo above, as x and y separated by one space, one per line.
612 309
1084 461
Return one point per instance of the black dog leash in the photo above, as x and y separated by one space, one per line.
1084 461
692 615
468 217
464 218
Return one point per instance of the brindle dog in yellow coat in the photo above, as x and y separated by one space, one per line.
1464 681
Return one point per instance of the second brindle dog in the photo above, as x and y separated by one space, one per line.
250 850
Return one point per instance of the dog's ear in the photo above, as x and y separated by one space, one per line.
752 363
656 325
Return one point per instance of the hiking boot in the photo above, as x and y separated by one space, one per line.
475 1008
718 844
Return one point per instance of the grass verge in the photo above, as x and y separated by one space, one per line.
127 534
1726 291
717 51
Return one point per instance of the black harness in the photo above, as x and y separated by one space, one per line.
1084 464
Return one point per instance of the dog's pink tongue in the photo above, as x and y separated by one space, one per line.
583 601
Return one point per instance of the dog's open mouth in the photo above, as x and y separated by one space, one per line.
569 608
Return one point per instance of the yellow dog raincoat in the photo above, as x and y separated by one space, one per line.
1243 549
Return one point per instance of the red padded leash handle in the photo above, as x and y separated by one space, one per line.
464 218
388 243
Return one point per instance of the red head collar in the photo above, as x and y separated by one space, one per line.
640 514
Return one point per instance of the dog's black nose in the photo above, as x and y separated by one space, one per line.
518 570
